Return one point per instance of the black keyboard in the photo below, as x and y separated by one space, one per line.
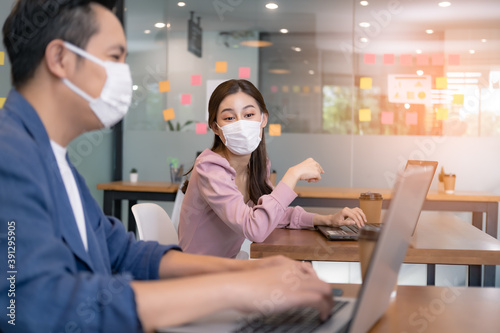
354 228
300 320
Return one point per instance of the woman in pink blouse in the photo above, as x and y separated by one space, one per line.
229 197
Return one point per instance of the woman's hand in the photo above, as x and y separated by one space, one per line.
309 170
346 216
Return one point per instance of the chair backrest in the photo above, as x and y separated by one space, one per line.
153 223
176 212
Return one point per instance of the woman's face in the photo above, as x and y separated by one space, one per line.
235 107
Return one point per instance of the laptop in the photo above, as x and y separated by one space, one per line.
357 315
351 232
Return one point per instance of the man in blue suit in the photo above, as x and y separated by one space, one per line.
65 267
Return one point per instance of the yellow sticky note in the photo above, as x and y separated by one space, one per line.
275 129
441 83
442 114
2 58
365 83
2 102
168 114
365 115
164 86
458 99
410 95
221 67
296 89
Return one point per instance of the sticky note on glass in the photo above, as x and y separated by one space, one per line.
201 128
186 99
244 73
196 80
365 115
458 99
2 102
2 58
387 118
365 83
442 114
285 89
296 89
164 86
410 95
306 89
411 118
317 89
221 67
454 59
422 59
168 114
388 59
274 89
370 58
406 60
441 83
437 59
275 129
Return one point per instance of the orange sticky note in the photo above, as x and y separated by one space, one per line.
365 115
388 59
168 114
275 129
370 58
285 89
186 99
196 80
306 89
365 83
164 86
441 83
458 99
201 128
411 118
2 58
221 67
387 118
442 114
2 102
244 73
317 89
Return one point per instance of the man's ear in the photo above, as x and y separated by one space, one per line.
58 59
264 120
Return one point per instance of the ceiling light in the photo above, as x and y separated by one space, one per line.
484 40
363 3
311 72
420 72
429 31
147 31
256 43
418 51
278 66
444 4
168 25
160 25
135 87
271 5
181 4
364 24
296 48
407 106
472 51
363 40
284 31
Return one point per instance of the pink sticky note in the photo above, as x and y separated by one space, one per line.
186 99
411 118
274 89
406 60
454 59
437 59
196 80
422 59
201 128
388 59
244 73
387 118
370 58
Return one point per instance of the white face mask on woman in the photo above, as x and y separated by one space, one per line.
242 136
116 95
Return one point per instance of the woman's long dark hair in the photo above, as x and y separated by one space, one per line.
257 167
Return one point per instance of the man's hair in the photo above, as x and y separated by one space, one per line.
33 24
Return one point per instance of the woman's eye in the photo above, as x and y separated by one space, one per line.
115 57
228 118
250 115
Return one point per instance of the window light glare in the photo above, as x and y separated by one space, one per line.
284 31
418 51
444 4
296 48
135 87
147 31
181 4
364 3
429 31
484 40
420 72
168 25
271 5
160 25
472 51
363 40
364 24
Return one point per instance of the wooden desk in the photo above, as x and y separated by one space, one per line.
437 309
440 238
115 192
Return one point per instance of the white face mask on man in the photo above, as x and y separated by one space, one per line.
242 136
116 95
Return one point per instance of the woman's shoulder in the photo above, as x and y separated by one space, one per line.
212 162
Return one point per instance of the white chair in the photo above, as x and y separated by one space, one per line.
153 223
176 212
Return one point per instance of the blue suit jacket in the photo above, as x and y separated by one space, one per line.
57 286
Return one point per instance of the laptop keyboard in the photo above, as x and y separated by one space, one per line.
355 228
300 320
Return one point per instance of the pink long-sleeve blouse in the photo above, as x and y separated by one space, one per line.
214 218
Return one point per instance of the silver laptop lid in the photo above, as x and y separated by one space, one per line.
382 274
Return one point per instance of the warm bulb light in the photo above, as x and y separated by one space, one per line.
160 25
271 5
364 24
181 4
363 3
284 31
429 31
444 4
